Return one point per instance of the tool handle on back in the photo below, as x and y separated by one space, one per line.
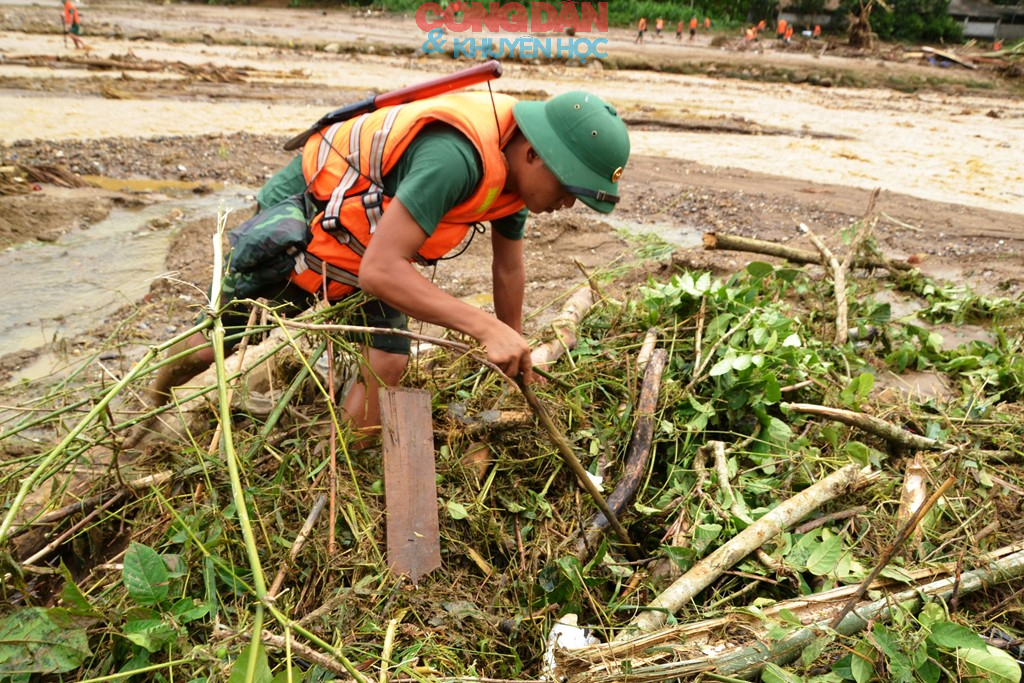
439 86
461 79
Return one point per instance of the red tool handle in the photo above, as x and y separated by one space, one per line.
480 73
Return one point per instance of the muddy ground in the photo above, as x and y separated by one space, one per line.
725 139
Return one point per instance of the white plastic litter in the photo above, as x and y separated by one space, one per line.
567 634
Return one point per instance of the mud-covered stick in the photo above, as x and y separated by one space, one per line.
630 548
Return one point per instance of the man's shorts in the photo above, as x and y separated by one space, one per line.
76 29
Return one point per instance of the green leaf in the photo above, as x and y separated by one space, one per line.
858 453
991 665
31 643
150 634
189 609
862 665
949 636
456 510
241 666
759 269
721 367
773 673
282 677
145 575
74 600
811 653
824 557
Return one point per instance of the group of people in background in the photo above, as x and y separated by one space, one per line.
659 25
783 31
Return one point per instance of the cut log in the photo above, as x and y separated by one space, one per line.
714 240
410 488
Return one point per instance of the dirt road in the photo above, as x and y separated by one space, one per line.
205 94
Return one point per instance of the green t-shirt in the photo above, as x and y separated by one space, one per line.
438 170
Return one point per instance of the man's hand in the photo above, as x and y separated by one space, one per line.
509 351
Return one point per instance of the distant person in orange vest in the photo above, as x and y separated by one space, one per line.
750 34
693 27
707 23
641 26
73 25
816 33
659 24
679 31
780 31
998 44
789 34
761 25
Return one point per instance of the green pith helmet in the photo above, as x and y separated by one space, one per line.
582 140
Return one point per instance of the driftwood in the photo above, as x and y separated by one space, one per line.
949 56
193 414
681 650
867 423
713 241
638 454
702 574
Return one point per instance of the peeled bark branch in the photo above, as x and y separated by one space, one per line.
706 571
867 423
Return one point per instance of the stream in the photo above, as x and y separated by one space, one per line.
66 287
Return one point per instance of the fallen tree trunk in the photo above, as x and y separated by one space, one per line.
713 241
701 575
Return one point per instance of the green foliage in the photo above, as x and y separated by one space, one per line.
909 20
920 651
32 642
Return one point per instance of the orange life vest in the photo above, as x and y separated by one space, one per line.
345 164
693 23
70 14
642 24
707 22
782 27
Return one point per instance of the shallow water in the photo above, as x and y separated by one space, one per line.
58 290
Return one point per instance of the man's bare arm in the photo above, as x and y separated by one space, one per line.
509 274
386 273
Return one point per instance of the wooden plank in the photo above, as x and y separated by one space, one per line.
410 489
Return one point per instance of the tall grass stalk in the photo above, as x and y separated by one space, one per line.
228 449
99 409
